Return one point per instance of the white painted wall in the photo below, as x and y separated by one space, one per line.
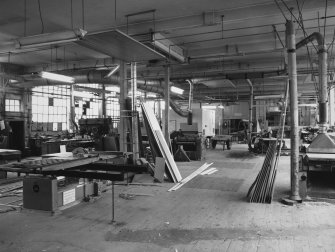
204 117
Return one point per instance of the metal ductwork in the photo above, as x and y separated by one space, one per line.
322 70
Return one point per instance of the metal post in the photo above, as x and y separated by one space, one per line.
122 100
134 133
167 103
104 114
292 71
250 109
113 204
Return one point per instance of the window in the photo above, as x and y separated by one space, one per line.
51 107
113 105
13 105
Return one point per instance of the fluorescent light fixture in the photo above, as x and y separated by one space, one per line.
208 106
82 94
268 97
308 105
47 39
112 71
57 77
177 90
168 47
151 95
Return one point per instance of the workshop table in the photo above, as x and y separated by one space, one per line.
7 155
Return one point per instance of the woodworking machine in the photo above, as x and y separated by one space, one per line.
318 162
41 188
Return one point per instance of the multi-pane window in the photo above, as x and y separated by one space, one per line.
12 105
88 104
113 105
51 107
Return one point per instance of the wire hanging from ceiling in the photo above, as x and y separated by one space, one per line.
40 14
308 52
282 12
115 25
324 23
25 19
83 13
71 4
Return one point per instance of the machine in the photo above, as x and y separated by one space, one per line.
187 141
61 179
102 131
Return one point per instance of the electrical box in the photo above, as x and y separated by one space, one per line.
40 193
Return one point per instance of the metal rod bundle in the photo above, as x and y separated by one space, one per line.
261 190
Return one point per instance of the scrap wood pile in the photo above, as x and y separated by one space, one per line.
158 145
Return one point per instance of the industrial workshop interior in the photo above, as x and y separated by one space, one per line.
167 125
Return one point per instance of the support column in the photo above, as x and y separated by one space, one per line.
250 109
73 123
134 121
167 103
292 71
331 107
104 112
122 130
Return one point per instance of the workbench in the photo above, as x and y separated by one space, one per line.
7 155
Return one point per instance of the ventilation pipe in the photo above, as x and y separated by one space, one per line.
190 98
322 57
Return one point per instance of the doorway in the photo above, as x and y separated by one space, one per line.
16 137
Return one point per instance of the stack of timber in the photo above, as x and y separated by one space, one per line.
261 190
158 144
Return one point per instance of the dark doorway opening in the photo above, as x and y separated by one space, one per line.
16 137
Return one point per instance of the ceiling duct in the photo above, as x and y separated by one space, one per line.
168 47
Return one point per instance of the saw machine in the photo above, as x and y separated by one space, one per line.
41 190
187 144
317 168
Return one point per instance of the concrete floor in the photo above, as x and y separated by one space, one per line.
208 214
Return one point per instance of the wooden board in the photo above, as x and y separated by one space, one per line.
164 148
172 166
159 169
189 177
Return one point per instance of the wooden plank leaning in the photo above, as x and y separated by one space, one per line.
189 177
